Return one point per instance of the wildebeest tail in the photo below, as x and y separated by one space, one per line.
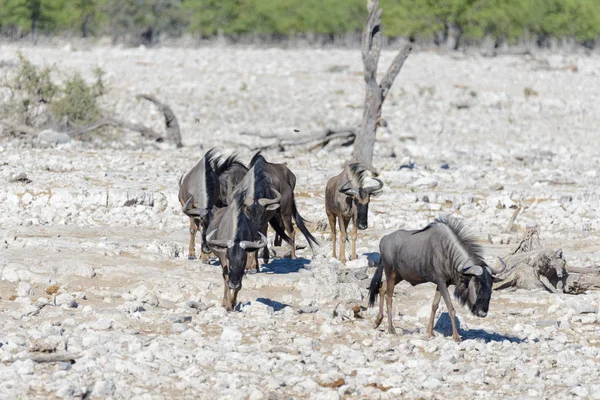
279 230
375 284
300 223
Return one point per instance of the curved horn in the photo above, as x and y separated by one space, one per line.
249 245
217 243
499 270
265 202
350 191
372 189
193 212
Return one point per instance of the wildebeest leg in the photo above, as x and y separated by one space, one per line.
289 227
332 222
265 250
379 317
278 239
192 246
343 238
434 307
353 235
390 280
444 292
225 302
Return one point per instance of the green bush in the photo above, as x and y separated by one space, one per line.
35 100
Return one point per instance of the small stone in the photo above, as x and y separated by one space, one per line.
231 334
24 289
103 389
20 177
24 367
132 307
497 187
66 300
579 391
102 324
179 319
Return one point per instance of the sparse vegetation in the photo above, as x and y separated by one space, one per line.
36 101
457 21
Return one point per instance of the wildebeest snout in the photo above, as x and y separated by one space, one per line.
234 285
362 226
481 313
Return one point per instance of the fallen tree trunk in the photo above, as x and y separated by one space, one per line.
530 266
143 130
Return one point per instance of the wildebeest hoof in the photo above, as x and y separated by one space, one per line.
252 271
457 339
392 331
191 257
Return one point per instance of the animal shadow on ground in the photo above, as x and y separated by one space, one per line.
444 326
277 306
285 265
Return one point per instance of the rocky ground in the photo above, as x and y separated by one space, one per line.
93 244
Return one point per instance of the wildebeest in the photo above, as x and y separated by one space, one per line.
261 203
346 199
230 172
231 238
284 181
198 194
442 253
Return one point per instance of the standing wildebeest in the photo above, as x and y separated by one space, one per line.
442 253
347 199
231 238
284 181
198 193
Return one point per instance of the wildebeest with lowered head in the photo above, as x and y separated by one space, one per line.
198 194
284 181
347 199
442 253
231 238
261 203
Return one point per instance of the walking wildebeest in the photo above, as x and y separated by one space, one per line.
231 238
198 194
259 206
347 199
442 253
284 182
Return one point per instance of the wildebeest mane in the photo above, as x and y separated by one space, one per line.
228 163
357 173
211 160
262 181
466 239
255 158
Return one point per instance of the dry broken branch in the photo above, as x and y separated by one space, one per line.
171 123
143 130
28 130
346 134
50 358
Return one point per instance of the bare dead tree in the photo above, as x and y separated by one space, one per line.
375 92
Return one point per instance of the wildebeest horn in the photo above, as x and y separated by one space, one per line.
348 191
472 270
372 189
216 242
265 202
246 244
194 212
499 270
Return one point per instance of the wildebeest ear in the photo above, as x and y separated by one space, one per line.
472 291
376 193
473 270
272 207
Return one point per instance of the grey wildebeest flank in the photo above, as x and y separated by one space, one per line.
442 253
346 199
231 238
284 181
198 194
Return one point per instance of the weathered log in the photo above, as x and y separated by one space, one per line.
315 141
50 357
28 130
581 282
375 92
171 123
143 130
534 269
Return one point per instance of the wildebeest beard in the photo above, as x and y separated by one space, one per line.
236 258
475 292
362 212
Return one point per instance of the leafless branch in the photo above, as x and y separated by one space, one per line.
173 132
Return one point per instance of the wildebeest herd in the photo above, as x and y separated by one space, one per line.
232 205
